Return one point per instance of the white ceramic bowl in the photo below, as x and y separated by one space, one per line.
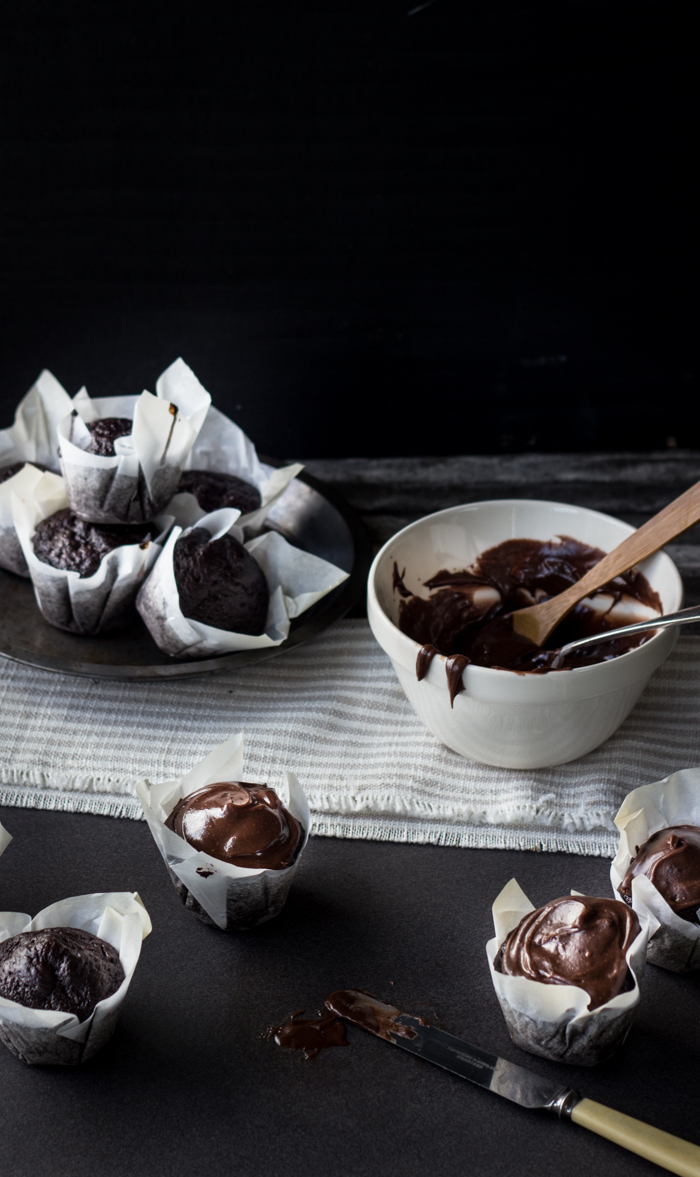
503 718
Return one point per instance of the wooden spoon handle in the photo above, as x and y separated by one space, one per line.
670 1152
677 517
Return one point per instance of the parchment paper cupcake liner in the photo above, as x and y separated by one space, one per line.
136 484
89 604
232 898
224 448
38 1036
675 944
5 838
296 580
32 438
554 1020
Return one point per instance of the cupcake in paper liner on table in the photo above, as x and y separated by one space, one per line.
599 942
210 593
222 468
122 456
32 438
231 847
657 865
99 569
89 946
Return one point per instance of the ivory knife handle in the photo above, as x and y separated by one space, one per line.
670 1152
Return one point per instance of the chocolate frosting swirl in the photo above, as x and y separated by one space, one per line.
671 860
246 825
576 940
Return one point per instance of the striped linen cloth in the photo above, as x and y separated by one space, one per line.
333 712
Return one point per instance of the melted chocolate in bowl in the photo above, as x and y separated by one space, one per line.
467 616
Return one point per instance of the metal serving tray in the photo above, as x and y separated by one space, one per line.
309 515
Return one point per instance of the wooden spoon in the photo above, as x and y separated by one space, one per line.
537 621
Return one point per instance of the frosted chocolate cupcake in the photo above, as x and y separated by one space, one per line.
567 974
231 848
657 865
245 825
576 940
213 490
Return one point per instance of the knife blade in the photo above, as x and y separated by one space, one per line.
513 1082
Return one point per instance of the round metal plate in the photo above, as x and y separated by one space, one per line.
309 515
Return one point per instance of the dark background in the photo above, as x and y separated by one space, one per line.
370 230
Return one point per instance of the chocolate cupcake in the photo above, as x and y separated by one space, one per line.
657 866
85 576
576 940
64 975
213 489
64 541
219 583
567 974
231 848
105 432
122 457
212 594
63 969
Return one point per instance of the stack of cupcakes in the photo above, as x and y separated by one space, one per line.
91 538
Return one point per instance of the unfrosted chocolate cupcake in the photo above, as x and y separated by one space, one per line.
214 490
64 969
64 541
670 859
105 432
219 583
245 825
576 940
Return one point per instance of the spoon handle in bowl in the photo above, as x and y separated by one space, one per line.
538 621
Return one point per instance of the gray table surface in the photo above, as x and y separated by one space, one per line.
191 1083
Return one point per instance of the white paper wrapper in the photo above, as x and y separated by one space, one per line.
233 898
48 1036
5 838
554 1020
137 483
223 447
675 945
89 604
296 580
32 438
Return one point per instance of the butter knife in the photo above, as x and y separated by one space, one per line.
513 1082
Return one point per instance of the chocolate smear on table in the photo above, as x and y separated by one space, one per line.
670 858
468 611
312 1035
214 490
219 583
64 541
362 1009
245 825
105 432
577 940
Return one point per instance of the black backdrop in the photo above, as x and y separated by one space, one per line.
370 226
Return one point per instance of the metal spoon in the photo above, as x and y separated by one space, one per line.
683 617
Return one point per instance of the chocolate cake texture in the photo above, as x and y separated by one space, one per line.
63 969
219 583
